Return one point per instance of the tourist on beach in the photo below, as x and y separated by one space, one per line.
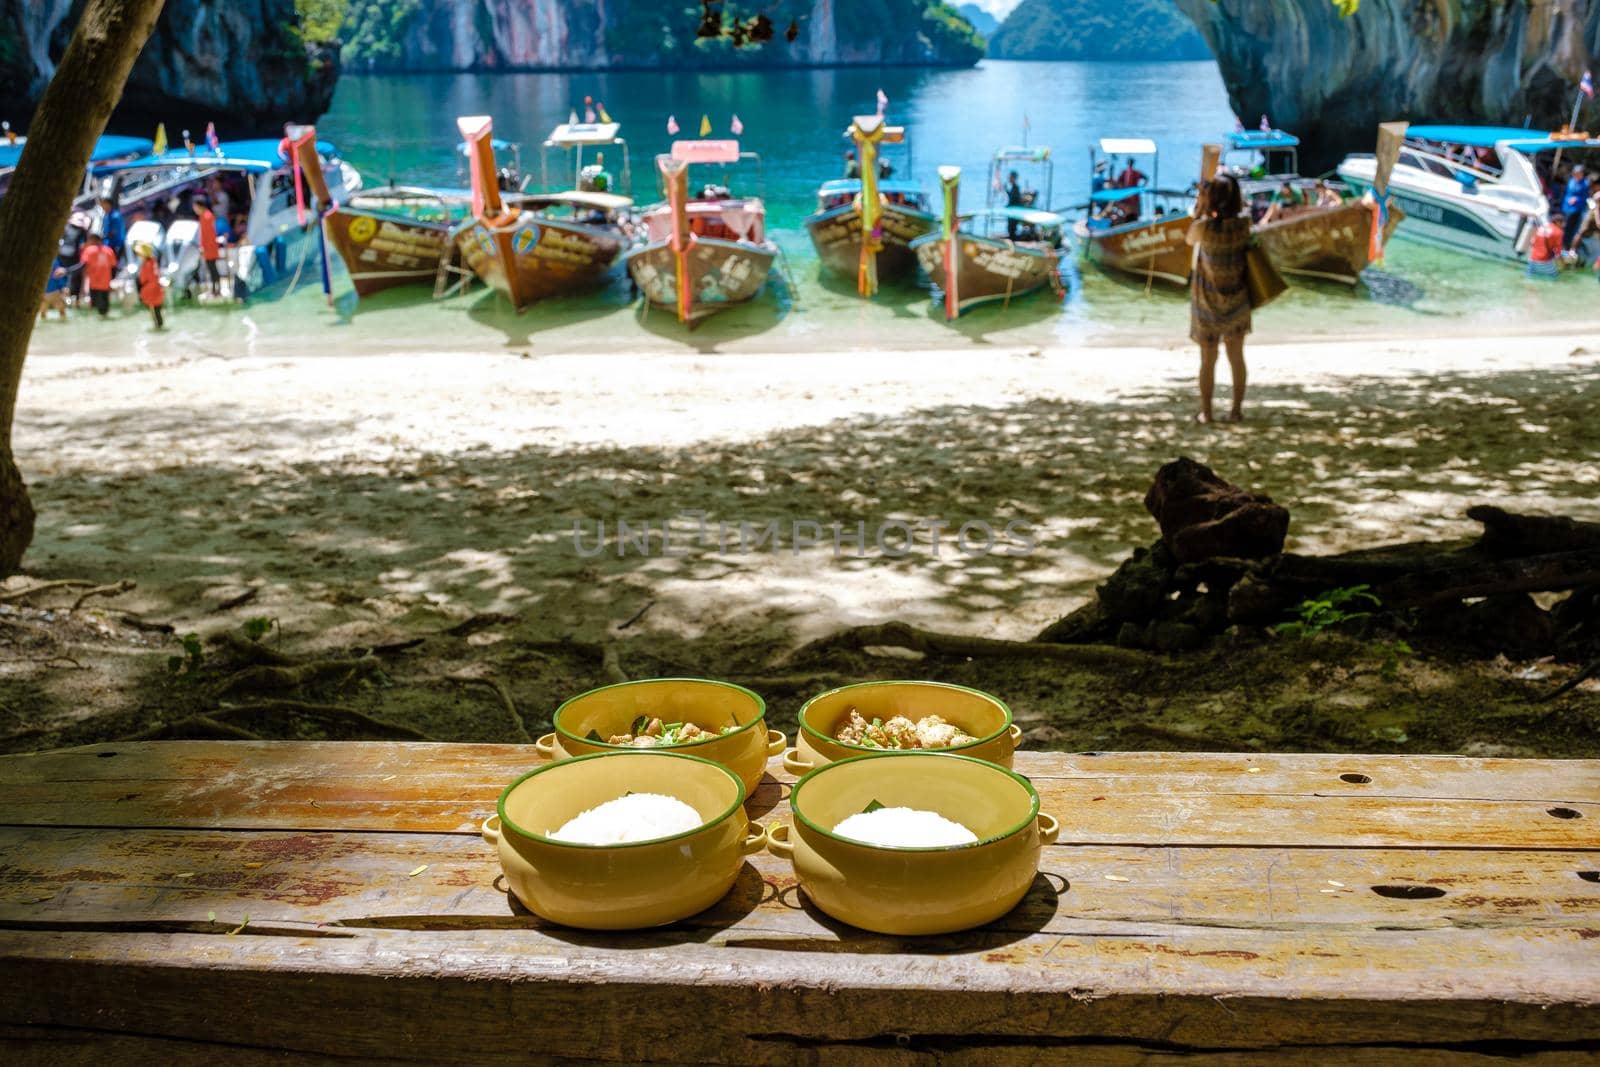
1219 300
1574 203
1545 248
209 250
151 295
109 225
99 263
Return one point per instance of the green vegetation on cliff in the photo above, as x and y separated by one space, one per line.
1097 29
400 34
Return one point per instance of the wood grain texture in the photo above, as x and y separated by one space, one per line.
1220 906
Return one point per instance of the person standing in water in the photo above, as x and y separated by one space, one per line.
1219 299
209 250
151 294
99 264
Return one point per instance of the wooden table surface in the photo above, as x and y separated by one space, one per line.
193 900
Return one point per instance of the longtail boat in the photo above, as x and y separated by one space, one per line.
864 224
996 254
704 253
1307 227
543 245
393 235
1133 227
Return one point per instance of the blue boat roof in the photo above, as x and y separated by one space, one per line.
494 142
110 146
1114 193
1262 139
1031 215
840 186
254 157
1477 136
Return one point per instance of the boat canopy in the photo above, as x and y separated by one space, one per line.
1515 137
1127 146
706 151
106 148
1031 216
581 197
1023 155
252 157
1261 140
1115 193
583 133
851 186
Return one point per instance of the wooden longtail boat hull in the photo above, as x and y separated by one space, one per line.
988 269
1332 243
381 251
1154 249
722 273
836 235
535 258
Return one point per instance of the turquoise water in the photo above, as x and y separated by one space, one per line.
403 127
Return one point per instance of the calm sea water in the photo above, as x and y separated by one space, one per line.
403 127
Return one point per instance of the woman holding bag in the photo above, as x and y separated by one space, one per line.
1219 293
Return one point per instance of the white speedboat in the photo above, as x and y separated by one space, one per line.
1480 189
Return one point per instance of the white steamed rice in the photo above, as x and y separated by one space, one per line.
904 828
635 817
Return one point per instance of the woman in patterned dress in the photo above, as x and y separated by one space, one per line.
1219 301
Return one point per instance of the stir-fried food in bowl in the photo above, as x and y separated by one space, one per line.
647 731
899 732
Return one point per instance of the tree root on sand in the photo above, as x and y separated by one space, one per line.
504 693
293 677
114 589
903 635
323 713
8 596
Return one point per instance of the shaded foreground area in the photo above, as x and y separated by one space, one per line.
398 591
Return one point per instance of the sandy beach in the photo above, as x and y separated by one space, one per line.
359 499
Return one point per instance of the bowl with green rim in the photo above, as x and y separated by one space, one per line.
986 718
621 886
735 717
915 889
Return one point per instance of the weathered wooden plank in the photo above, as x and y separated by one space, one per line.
485 996
49 1046
165 879
424 768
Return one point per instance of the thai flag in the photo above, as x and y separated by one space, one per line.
672 126
588 109
883 102
1586 86
211 138
1265 127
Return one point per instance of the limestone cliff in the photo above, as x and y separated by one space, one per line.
242 63
1332 80
400 35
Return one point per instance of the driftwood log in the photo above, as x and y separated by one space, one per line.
1476 590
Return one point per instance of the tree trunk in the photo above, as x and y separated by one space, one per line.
70 117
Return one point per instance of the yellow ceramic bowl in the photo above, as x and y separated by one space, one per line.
621 887
610 710
979 714
915 890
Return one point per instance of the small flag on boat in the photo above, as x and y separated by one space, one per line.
160 144
883 102
211 138
736 126
1238 127
572 117
705 125
588 109
672 126
603 116
1266 126
1586 86
187 143
1027 124
11 135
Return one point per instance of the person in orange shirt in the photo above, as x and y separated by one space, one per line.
1546 246
99 263
151 294
210 251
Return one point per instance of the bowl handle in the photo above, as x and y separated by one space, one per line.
546 746
795 765
755 840
1049 829
778 842
1015 733
776 742
491 834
